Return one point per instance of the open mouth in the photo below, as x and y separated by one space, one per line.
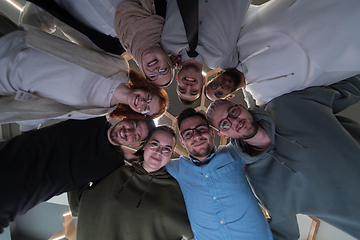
121 133
227 83
152 63
136 101
189 79
240 125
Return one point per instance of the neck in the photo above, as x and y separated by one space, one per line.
260 141
121 94
202 159
192 61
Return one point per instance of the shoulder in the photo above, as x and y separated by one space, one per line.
172 166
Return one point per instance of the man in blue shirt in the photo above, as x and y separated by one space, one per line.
218 198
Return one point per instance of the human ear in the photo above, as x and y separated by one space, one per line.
204 80
181 141
222 135
230 96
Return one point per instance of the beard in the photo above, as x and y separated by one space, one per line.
254 129
114 136
203 152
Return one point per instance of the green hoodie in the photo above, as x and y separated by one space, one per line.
109 209
313 163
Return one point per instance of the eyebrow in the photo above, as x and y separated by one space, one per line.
159 143
195 127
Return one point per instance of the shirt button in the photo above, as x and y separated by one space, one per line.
214 198
221 222
200 22
206 176
69 115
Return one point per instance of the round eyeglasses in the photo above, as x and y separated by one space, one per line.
225 123
164 150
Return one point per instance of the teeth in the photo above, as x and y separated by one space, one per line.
122 133
136 100
152 63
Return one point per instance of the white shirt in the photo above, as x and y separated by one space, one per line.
219 27
289 45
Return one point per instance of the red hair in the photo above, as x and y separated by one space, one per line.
137 81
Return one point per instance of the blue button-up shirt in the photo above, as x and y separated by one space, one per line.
218 198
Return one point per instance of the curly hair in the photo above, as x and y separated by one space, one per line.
137 81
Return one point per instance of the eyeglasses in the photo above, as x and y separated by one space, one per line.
217 93
148 100
166 151
200 129
225 123
162 71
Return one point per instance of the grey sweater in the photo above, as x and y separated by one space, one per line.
322 155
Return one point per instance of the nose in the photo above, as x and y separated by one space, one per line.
234 122
196 135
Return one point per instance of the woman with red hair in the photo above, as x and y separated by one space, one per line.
143 97
43 77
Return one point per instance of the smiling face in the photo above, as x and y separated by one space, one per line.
156 158
144 102
156 68
199 145
128 132
189 82
243 127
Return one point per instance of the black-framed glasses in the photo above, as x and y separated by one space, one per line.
200 129
233 112
164 150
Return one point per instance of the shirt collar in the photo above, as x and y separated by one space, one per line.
206 161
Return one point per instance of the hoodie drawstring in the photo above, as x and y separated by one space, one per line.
147 187
292 141
123 186
138 205
282 162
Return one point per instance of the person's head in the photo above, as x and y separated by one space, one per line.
157 150
196 136
232 120
157 66
224 84
147 101
130 131
190 82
